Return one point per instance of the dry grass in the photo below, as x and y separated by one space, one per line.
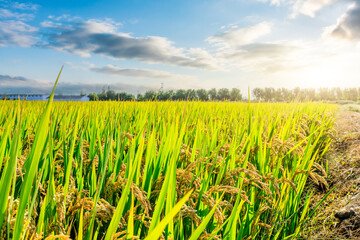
344 177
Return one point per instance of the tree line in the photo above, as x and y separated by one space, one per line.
213 94
224 94
306 94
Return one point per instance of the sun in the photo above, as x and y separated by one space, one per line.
332 72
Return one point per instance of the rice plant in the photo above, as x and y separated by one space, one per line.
168 170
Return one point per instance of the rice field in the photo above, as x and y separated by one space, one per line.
160 170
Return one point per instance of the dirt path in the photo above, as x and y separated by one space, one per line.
339 216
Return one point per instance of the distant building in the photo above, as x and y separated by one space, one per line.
75 98
28 97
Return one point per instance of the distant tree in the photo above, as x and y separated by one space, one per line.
286 94
224 94
149 95
123 96
339 93
139 97
180 95
278 95
93 97
324 94
332 94
171 94
191 95
353 94
235 95
269 94
213 94
350 94
111 95
103 96
265 94
165 96
296 93
161 96
258 93
202 95
310 94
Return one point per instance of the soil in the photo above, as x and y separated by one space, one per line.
339 214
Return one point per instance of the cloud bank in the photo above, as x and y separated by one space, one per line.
347 26
306 7
23 85
10 79
13 27
95 37
243 48
102 38
236 37
13 32
139 73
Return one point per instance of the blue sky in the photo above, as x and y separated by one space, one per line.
137 45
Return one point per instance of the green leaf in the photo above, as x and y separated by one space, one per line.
156 233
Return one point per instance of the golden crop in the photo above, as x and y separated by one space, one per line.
174 170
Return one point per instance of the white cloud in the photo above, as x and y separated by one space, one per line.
5 13
17 84
50 24
236 37
347 26
273 2
25 6
4 79
240 48
102 37
268 57
310 7
64 17
13 29
18 33
140 73
305 7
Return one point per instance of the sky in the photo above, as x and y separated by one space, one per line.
138 45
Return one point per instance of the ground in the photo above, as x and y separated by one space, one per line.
339 215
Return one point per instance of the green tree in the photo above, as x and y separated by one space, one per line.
180 95
111 95
213 94
202 94
310 94
165 96
123 96
278 95
93 97
269 94
235 95
149 95
258 93
224 94
191 94
287 94
103 96
139 97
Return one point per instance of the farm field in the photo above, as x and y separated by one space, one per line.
169 170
